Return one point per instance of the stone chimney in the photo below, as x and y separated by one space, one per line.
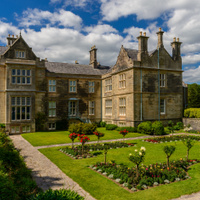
160 38
176 48
93 56
142 45
11 39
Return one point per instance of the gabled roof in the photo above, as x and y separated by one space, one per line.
3 49
132 53
66 68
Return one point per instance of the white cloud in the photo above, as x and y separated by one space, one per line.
35 17
192 75
75 3
100 29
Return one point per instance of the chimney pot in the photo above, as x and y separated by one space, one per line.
174 40
160 29
140 33
13 36
144 33
177 39
8 35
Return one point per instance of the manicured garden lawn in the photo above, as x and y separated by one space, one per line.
104 189
61 137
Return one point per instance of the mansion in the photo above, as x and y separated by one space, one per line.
142 86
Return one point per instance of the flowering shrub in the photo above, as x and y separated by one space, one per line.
83 139
73 136
137 158
99 135
171 138
149 175
123 132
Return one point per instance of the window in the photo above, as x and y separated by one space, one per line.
26 129
162 80
20 54
52 126
52 108
72 108
122 80
162 106
20 108
108 107
21 76
122 106
108 85
52 85
91 86
72 86
15 129
91 107
122 124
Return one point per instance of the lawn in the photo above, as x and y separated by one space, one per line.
104 189
61 137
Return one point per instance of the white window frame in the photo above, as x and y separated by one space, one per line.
72 86
122 80
52 85
122 106
20 108
108 107
26 129
162 80
108 85
91 107
52 126
72 108
91 86
122 124
162 106
21 76
20 54
15 129
52 108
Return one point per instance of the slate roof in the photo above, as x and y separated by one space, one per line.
132 53
66 68
2 49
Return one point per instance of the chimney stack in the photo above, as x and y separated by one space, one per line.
142 45
160 38
93 56
176 48
10 40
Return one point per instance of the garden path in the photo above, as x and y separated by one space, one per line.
45 173
48 175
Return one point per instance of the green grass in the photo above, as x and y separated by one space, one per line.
61 137
104 189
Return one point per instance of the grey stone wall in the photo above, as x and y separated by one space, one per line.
194 122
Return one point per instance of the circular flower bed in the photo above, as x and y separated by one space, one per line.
149 176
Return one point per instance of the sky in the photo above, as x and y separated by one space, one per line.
65 30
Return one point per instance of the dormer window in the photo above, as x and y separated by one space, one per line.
20 54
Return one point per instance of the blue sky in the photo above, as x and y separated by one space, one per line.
65 30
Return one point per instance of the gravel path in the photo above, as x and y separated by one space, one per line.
45 173
48 175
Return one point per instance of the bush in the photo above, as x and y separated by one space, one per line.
145 128
102 124
111 126
88 129
192 113
130 129
180 125
158 128
62 124
57 195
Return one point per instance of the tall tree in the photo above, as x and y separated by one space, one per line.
194 96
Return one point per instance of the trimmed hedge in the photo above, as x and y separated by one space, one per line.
158 128
111 126
192 113
145 128
130 129
82 128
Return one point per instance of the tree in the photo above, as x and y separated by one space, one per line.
194 96
189 143
169 150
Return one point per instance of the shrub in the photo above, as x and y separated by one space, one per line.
102 124
192 113
76 128
158 128
88 129
62 124
180 125
145 128
57 195
130 129
111 126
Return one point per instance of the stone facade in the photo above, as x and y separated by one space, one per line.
141 86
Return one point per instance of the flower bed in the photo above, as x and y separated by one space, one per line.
151 175
90 149
171 138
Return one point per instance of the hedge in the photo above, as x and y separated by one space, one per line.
192 113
